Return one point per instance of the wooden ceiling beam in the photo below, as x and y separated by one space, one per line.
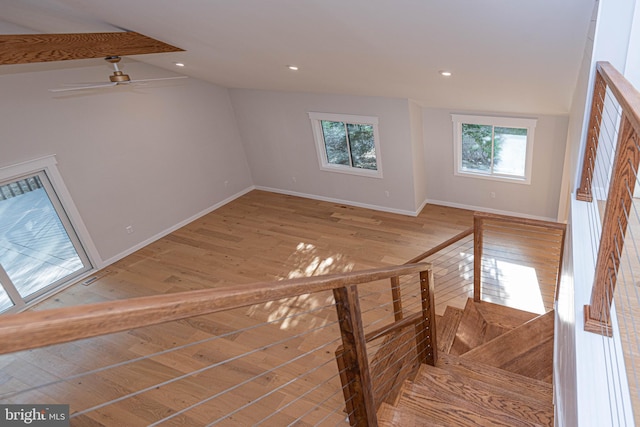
28 48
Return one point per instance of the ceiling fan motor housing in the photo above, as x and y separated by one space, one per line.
119 77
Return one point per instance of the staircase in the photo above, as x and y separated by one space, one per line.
494 369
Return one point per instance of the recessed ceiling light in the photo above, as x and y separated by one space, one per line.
445 73
179 64
292 67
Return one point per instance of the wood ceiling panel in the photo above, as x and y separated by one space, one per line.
28 48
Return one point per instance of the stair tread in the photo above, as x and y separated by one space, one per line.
504 316
390 416
484 397
474 330
447 325
531 388
439 409
514 350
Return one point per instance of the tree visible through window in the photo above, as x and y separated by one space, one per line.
347 143
492 146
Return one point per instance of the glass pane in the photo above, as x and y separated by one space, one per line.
363 148
476 147
35 249
5 301
510 151
335 142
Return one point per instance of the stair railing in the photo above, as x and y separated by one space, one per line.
457 240
610 173
502 228
37 329
609 219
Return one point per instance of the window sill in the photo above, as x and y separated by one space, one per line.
500 178
352 171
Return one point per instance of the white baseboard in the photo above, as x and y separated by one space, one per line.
342 202
489 210
173 228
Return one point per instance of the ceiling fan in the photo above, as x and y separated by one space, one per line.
117 78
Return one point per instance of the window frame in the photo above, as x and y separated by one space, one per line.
495 121
318 136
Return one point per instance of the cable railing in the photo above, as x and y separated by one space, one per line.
503 245
258 354
608 185
323 350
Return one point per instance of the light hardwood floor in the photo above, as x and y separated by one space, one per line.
258 237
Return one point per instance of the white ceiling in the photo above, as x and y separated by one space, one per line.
517 56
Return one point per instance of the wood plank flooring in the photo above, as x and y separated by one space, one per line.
259 237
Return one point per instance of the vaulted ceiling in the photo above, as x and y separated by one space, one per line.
507 56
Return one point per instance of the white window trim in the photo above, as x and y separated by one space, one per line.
318 136
514 122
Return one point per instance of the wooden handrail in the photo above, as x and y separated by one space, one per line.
619 195
627 96
40 328
519 220
441 246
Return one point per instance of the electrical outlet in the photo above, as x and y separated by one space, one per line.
493 194
129 229
293 179
386 193
226 184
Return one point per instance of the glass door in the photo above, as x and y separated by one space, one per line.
39 249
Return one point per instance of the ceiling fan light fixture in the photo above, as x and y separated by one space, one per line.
445 73
179 64
293 67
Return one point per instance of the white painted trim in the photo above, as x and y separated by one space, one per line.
173 228
422 205
318 137
489 210
342 202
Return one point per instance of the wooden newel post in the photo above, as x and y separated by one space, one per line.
614 228
593 135
477 258
426 339
396 295
354 358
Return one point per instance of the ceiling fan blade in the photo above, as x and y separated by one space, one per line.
161 78
68 89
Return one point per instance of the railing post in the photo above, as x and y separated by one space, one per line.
477 257
396 295
593 135
614 228
427 345
354 357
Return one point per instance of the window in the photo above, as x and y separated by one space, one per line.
39 247
347 143
493 147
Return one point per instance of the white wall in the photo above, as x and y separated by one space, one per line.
418 153
538 200
281 152
150 157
